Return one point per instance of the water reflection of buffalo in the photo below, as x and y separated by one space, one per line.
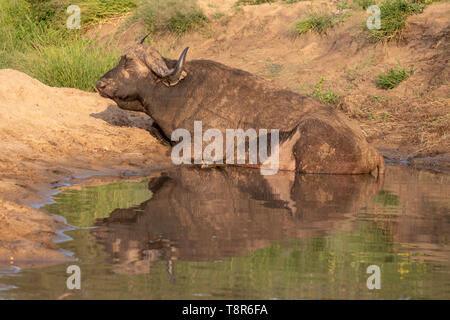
207 214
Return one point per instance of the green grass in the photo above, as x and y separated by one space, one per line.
343 5
93 11
177 16
34 40
363 4
392 78
327 95
76 65
318 22
393 18
394 14
21 27
183 22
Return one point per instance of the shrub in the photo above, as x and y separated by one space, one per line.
393 18
315 21
34 40
76 65
94 11
392 78
183 22
21 28
363 4
324 95
177 16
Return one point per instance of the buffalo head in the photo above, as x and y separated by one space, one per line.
139 66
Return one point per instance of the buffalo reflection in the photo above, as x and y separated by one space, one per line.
207 214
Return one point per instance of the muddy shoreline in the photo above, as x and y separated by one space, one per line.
51 136
435 163
32 239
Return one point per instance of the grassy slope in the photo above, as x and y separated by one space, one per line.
34 39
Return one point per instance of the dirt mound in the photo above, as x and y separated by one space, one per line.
50 135
26 235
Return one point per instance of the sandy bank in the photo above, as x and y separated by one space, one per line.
49 135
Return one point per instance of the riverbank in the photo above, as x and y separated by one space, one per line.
50 137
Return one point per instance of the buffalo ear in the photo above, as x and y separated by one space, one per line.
177 73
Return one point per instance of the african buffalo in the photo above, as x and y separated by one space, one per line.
313 137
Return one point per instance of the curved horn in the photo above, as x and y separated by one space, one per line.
143 38
174 75
156 63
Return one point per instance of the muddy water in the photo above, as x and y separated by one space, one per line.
216 234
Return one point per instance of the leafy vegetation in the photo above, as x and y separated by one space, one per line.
94 11
363 4
393 18
315 21
21 27
76 65
177 16
35 40
392 77
327 96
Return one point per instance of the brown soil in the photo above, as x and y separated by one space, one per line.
51 134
